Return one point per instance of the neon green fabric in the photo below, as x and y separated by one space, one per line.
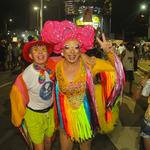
39 125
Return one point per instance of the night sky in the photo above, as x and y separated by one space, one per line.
123 13
15 9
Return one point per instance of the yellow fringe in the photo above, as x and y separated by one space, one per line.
104 125
78 124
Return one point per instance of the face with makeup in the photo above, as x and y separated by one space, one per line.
71 50
39 54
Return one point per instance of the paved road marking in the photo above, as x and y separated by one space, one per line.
6 84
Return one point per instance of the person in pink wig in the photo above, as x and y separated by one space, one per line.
83 109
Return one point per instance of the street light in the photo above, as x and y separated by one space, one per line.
10 20
41 15
36 8
144 7
41 12
45 7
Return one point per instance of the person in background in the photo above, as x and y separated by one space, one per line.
9 56
15 55
2 55
128 64
136 57
121 49
144 91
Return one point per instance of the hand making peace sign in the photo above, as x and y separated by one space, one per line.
104 44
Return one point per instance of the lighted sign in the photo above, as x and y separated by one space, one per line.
96 21
15 39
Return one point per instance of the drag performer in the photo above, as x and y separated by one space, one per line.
83 108
32 97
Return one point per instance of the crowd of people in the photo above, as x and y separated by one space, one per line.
63 89
130 53
10 54
141 48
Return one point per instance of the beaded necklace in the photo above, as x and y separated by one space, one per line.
41 70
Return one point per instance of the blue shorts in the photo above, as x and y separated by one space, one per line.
145 129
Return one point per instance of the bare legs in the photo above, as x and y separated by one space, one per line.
85 145
46 145
38 146
147 144
67 144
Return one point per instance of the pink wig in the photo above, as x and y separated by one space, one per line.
56 33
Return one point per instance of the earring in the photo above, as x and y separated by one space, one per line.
62 54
